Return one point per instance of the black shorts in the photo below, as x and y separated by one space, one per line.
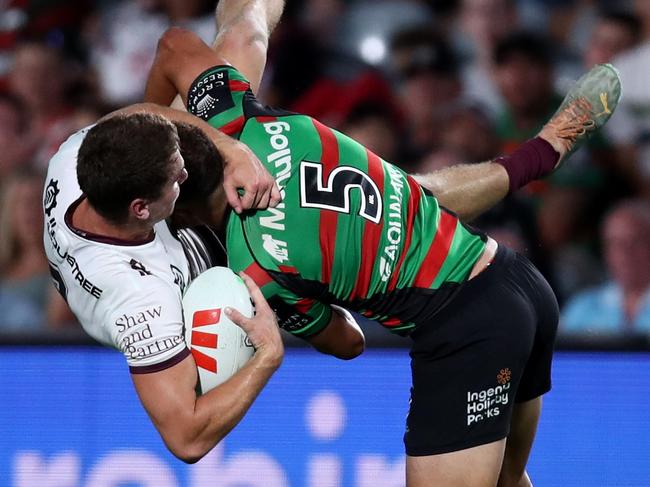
489 347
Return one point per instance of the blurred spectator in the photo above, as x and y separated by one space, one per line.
124 43
40 78
613 34
630 125
374 125
524 74
467 136
483 24
621 305
24 279
15 144
429 89
57 22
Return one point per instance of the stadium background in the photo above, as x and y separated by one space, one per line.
423 83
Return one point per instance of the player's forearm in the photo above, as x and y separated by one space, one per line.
467 189
217 412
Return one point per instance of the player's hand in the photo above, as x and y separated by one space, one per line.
243 170
262 329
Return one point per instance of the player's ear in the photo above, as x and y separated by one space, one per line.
139 208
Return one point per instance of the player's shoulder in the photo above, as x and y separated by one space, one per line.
61 186
68 150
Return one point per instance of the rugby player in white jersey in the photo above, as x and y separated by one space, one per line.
122 266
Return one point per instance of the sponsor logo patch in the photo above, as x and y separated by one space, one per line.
49 198
275 248
210 95
487 403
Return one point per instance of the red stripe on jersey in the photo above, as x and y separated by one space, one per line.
200 339
236 85
438 251
233 126
287 269
257 274
371 233
328 218
304 305
330 156
392 322
413 207
204 361
265 119
206 317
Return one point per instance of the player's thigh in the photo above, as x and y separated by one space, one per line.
466 366
472 467
523 427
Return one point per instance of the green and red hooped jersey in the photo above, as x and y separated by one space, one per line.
351 230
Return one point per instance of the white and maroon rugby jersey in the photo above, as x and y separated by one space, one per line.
125 294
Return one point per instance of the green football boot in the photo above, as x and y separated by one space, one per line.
585 109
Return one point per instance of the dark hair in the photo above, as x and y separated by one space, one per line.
429 52
628 21
123 158
531 46
203 162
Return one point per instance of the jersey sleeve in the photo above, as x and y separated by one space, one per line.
217 96
147 327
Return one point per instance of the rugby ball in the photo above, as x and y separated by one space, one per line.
219 346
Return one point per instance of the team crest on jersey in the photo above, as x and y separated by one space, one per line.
49 198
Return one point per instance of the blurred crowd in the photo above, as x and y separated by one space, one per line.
423 83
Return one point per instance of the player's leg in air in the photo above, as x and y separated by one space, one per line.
503 462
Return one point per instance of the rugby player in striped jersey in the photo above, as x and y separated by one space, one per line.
355 232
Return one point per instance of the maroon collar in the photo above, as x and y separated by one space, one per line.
96 237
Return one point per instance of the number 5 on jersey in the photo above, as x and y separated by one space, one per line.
334 194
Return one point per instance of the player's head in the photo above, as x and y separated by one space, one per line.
204 166
130 168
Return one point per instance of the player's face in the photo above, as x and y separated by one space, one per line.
164 206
